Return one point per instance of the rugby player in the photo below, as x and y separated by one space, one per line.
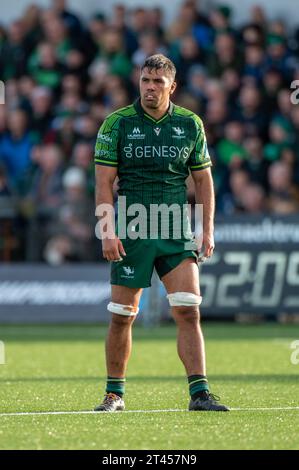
152 146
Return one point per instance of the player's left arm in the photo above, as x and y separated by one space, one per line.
200 167
204 194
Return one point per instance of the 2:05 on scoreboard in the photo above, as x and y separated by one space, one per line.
250 278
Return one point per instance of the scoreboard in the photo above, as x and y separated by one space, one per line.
255 267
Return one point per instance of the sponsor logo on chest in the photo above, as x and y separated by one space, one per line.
136 134
164 151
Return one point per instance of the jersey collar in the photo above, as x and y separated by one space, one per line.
142 113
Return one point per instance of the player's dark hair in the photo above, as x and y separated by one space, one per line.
159 61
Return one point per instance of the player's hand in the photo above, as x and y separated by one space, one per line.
113 249
208 244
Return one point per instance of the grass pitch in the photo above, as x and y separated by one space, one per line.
61 368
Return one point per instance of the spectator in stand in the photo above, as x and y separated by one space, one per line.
105 94
189 54
278 56
225 55
32 26
217 116
3 120
230 150
196 83
272 83
258 16
295 123
280 138
26 87
253 34
217 112
254 63
253 199
45 68
96 29
2 38
220 20
112 58
14 52
283 194
186 100
71 21
118 21
138 22
86 128
71 104
41 113
251 111
119 99
82 158
255 164
183 25
149 44
13 99
8 217
46 187
155 21
71 83
284 103
15 147
5 190
72 229
231 82
231 201
65 135
57 34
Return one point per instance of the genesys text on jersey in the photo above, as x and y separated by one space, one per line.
156 151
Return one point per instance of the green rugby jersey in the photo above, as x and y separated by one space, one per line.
153 157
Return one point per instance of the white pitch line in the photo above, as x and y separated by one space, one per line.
49 413
279 408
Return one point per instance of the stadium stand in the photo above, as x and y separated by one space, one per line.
63 76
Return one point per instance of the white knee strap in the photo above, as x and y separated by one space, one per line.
126 310
178 299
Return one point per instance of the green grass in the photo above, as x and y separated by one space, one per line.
52 368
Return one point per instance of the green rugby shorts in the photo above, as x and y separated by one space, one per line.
136 269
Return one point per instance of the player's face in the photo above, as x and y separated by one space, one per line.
156 86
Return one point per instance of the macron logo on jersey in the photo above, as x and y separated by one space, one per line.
136 134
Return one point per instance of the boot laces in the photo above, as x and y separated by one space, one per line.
110 398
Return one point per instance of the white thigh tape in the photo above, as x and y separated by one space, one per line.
126 310
178 299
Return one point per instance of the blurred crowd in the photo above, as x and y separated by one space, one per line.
63 76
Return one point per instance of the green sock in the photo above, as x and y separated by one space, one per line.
197 385
116 385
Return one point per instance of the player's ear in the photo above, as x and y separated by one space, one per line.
173 87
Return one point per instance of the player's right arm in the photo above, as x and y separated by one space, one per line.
106 163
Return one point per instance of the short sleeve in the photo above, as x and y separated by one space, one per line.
199 158
106 148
